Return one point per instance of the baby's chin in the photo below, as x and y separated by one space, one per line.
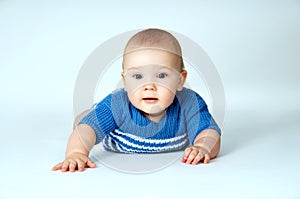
154 111
155 117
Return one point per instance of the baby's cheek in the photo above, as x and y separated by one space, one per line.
133 91
168 97
135 99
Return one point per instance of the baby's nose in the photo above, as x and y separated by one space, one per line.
150 87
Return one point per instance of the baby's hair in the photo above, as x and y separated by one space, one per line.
155 38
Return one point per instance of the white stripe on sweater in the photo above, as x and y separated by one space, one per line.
158 149
168 147
151 141
108 145
119 148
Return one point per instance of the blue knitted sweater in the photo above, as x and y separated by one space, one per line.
123 128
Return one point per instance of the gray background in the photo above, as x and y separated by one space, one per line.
254 45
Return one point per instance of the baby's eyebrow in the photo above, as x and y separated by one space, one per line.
160 67
167 68
132 68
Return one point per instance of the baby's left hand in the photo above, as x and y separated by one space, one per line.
195 154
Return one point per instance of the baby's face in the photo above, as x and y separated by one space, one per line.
151 78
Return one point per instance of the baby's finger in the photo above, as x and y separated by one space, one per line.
206 159
198 157
191 157
57 167
187 152
81 165
65 166
72 165
90 163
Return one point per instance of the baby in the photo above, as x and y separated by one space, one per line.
153 112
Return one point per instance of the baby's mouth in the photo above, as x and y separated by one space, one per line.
150 99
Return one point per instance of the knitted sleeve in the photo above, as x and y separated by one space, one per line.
100 119
198 117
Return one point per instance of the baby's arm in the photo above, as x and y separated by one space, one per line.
80 143
206 147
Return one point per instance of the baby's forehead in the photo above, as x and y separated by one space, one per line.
151 56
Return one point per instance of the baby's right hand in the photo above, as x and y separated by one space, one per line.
74 161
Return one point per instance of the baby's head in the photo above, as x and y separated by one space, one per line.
153 70
156 40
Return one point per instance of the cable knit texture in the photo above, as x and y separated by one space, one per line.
123 128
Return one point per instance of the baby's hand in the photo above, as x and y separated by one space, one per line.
74 161
195 154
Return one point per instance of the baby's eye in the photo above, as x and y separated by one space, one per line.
137 76
162 75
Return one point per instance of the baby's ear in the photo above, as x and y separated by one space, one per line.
182 79
123 80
